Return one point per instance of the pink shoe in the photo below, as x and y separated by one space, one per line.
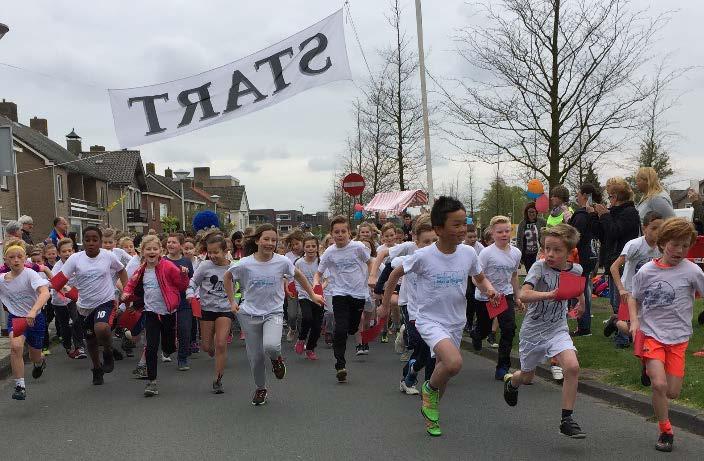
229 338
300 345
241 335
311 355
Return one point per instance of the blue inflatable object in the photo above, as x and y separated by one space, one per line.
470 220
533 195
205 220
358 215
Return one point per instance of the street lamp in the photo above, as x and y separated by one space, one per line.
215 199
181 177
3 30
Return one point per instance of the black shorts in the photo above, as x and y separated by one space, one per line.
210 316
100 314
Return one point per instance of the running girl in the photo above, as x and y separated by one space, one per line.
216 318
23 292
160 283
312 313
261 313
294 243
94 270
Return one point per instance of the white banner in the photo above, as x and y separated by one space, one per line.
312 57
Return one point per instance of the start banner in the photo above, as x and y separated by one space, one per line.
315 56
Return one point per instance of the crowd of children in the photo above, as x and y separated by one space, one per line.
428 281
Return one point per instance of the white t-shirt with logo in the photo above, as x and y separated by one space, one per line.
407 294
20 293
637 253
153 299
348 268
441 283
93 277
209 282
261 285
308 270
56 298
499 266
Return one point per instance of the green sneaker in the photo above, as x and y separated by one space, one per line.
433 428
430 403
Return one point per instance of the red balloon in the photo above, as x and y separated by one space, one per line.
542 204
358 207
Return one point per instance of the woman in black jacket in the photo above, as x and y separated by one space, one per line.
586 221
619 224
528 235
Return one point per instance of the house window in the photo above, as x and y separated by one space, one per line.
59 188
151 210
284 228
163 210
3 183
283 217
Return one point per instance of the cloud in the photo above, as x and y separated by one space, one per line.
328 163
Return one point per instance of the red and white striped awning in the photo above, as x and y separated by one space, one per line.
396 202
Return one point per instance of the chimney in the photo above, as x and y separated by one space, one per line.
39 124
9 110
97 148
151 168
73 142
169 173
202 174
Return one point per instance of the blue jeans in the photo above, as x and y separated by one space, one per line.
615 298
585 322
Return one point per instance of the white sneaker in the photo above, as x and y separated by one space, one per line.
291 335
556 373
408 390
165 358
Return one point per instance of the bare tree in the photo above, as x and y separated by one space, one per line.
562 83
401 106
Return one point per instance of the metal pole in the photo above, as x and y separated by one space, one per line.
424 101
183 209
17 185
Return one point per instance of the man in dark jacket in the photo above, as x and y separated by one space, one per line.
619 224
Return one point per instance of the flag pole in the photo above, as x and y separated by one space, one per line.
424 101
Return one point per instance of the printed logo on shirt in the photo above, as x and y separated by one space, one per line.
449 279
346 264
658 294
263 282
218 287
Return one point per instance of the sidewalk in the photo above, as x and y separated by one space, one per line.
686 418
5 369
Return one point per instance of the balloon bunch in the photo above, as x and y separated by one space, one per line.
536 191
358 211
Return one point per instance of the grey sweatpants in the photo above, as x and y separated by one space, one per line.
262 339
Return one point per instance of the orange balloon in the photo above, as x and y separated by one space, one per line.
535 187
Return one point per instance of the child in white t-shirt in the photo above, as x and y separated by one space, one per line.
349 263
661 306
544 332
500 262
441 272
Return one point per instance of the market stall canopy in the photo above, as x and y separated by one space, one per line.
396 202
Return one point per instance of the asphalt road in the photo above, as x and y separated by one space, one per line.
308 416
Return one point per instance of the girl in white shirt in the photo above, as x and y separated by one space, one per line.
24 293
261 312
311 313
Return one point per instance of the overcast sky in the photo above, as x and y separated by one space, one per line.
285 154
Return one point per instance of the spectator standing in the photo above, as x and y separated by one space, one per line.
698 217
13 230
59 231
619 224
528 235
560 211
407 227
655 198
27 224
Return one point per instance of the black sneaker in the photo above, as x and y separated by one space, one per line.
579 332
644 378
341 375
570 428
20 393
259 397
279 368
610 327
98 376
217 386
360 349
108 361
510 392
365 348
665 442
117 355
476 342
38 370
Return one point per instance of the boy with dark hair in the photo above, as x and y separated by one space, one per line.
441 271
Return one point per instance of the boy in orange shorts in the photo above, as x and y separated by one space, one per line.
661 310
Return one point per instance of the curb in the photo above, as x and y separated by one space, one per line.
686 418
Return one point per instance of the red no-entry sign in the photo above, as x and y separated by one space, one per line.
353 184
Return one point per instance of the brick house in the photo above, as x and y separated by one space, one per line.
233 205
193 202
52 181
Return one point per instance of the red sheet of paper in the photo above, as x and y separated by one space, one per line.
623 313
292 289
497 309
372 333
570 286
638 344
195 307
19 326
129 319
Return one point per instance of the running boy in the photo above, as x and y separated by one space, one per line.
349 263
661 307
441 271
544 332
